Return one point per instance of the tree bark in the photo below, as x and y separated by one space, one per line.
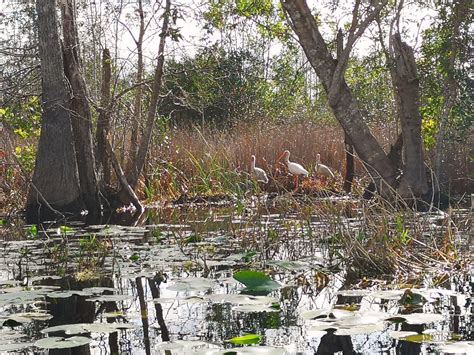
342 102
414 182
137 104
349 164
103 122
126 194
157 82
55 178
81 115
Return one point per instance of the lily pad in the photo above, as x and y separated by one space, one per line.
240 299
14 346
82 328
191 284
185 346
361 329
460 347
419 318
110 298
354 293
67 294
113 314
419 338
61 343
289 265
254 308
246 339
256 281
329 314
29 317
253 350
388 294
397 334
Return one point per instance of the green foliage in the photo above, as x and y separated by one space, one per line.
23 118
440 44
33 232
214 87
221 87
249 8
371 84
403 234
27 157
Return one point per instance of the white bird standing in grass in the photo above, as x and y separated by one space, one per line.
294 168
259 174
322 169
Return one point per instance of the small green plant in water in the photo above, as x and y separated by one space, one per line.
33 232
402 233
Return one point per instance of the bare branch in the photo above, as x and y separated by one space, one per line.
354 34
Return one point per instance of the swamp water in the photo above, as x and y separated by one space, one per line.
220 280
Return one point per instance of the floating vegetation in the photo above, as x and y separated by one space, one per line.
256 281
61 343
246 339
243 280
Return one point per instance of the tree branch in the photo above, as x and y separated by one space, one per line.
354 34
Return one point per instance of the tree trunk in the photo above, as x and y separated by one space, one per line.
81 114
414 182
349 164
126 194
137 105
157 81
342 102
55 179
103 122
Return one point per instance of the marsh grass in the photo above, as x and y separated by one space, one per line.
209 161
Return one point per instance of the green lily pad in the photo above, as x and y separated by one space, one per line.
113 314
256 281
246 339
61 343
253 350
396 334
419 338
412 299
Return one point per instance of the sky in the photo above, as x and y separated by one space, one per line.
413 23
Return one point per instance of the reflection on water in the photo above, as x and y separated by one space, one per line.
134 289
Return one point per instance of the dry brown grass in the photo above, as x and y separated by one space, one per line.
190 150
266 141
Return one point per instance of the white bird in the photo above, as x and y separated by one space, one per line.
294 168
322 169
259 174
